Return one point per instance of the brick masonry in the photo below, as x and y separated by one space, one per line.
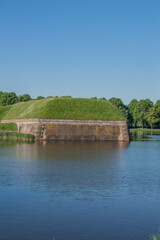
52 129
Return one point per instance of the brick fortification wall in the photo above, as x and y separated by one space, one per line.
52 129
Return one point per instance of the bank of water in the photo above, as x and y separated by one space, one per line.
80 190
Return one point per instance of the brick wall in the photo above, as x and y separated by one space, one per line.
52 129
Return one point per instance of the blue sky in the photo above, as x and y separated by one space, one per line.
81 48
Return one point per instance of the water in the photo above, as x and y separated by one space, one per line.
80 190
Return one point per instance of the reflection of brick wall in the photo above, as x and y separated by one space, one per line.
48 129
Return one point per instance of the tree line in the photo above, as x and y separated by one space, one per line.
143 113
140 114
9 98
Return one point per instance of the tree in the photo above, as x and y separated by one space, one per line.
131 107
157 109
24 98
93 97
103 98
152 117
119 104
40 97
1 94
8 98
65 97
50 97
140 112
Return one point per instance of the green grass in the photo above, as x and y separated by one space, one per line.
4 111
144 130
8 126
16 135
62 108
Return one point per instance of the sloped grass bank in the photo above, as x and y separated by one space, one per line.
63 108
16 136
144 130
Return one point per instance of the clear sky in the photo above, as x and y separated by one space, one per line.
82 48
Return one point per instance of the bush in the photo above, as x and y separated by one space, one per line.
40 97
103 98
65 97
24 98
93 97
8 98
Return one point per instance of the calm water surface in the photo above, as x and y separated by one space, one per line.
80 190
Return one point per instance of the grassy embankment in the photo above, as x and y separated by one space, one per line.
9 131
144 130
62 108
16 136
53 108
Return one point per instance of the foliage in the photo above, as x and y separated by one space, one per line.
63 108
24 98
140 111
8 126
103 98
131 107
93 97
152 117
119 104
1 94
65 97
8 98
40 97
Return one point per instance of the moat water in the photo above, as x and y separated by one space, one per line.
80 190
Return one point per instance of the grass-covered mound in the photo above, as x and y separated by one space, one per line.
62 108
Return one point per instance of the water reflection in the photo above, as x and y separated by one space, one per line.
80 190
63 167
144 136
78 150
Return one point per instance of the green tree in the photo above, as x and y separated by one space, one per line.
1 94
24 98
103 98
152 117
131 107
8 98
50 97
140 112
65 97
119 104
157 109
93 97
40 97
